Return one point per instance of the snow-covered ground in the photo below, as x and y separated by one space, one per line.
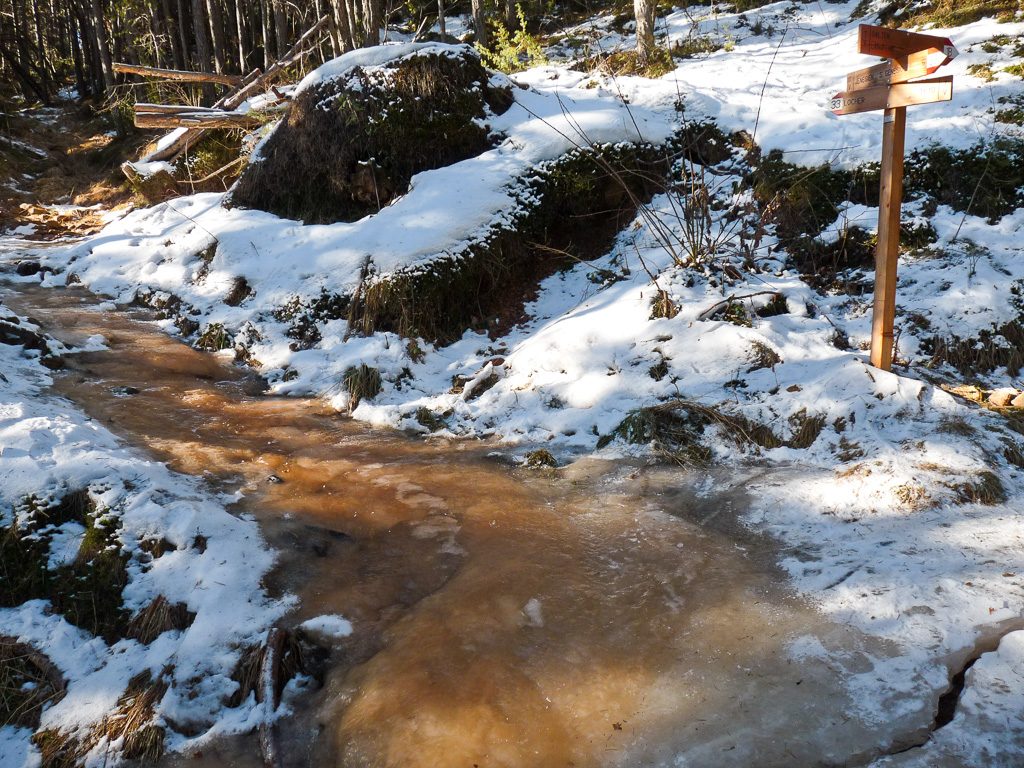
214 565
903 512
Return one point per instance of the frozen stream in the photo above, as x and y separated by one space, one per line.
600 614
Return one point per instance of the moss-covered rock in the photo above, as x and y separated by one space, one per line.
572 210
351 144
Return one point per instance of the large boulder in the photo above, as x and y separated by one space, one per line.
362 125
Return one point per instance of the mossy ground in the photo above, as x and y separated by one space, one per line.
585 199
675 431
87 591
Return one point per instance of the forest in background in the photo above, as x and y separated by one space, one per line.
48 45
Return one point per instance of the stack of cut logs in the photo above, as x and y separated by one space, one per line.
223 114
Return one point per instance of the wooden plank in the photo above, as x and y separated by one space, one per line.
181 75
918 64
894 128
892 96
894 43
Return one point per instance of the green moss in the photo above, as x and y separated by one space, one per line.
87 592
946 13
429 420
539 458
214 338
675 431
696 45
350 146
215 150
801 201
985 488
572 209
627 63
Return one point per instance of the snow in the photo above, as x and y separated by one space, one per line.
330 625
50 448
146 169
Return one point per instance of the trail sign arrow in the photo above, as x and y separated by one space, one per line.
890 96
917 64
894 43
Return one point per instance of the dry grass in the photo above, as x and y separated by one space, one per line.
132 721
362 383
28 682
985 488
158 617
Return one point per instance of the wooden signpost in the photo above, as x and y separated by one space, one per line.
892 86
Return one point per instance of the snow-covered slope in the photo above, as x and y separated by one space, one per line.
48 450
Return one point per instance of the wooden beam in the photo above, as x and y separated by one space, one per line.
887 250
181 75
891 96
204 120
170 109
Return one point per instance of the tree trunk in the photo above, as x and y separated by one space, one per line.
216 33
480 24
280 27
74 33
173 39
103 48
202 37
371 21
644 10
243 53
440 17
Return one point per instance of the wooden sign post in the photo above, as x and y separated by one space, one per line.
891 86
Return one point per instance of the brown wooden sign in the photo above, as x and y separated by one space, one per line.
917 64
894 43
890 96
892 86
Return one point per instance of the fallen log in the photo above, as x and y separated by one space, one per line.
180 75
197 120
170 109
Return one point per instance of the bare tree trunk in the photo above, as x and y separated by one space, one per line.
243 54
100 31
183 33
268 53
371 21
171 25
217 33
202 38
440 17
480 24
280 27
74 34
644 10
